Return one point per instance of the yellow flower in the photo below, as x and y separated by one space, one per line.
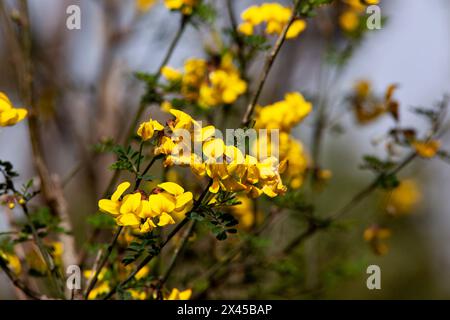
171 74
426 149
274 15
207 84
285 114
145 5
179 295
349 20
368 107
295 29
183 200
101 289
137 295
360 5
9 115
142 273
376 237
403 199
185 6
12 262
147 129
130 211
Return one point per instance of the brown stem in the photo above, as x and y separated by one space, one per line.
18 283
176 253
268 65
103 262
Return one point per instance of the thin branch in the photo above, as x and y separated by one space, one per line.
100 266
18 283
268 65
176 254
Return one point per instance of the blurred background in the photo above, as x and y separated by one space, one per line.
88 93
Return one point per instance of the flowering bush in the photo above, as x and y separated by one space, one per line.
232 209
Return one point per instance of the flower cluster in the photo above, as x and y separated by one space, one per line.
350 19
368 107
208 84
147 129
274 15
136 210
9 115
185 6
376 236
284 115
403 199
176 294
226 165
12 261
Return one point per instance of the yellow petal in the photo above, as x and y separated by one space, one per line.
131 203
186 294
165 219
161 203
109 206
183 199
128 219
171 188
120 190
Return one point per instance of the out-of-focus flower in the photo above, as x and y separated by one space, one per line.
185 6
274 15
426 149
349 20
376 237
368 108
404 198
171 74
145 5
102 287
137 294
12 261
208 84
245 213
147 129
351 17
285 114
9 115
176 294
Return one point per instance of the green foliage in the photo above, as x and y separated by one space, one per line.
256 42
104 146
102 221
388 181
151 83
44 222
145 244
220 223
127 159
203 13
377 165
308 7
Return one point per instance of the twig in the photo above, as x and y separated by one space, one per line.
103 262
176 254
50 263
268 65
18 283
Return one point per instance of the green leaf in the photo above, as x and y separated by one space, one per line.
388 182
